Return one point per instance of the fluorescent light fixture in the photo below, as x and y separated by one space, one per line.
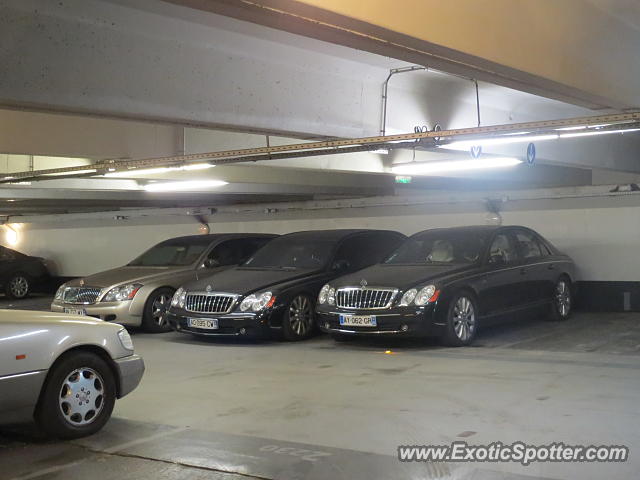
598 132
11 235
74 172
520 138
184 186
505 140
430 168
153 171
381 151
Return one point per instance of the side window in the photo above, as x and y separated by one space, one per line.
528 245
502 250
225 253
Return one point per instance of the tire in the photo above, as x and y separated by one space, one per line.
562 303
462 321
154 319
299 320
76 376
18 286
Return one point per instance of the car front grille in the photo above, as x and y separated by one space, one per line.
365 298
81 295
209 302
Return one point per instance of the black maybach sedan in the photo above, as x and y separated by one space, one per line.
277 288
448 282
20 273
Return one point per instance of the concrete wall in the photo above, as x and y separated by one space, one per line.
601 233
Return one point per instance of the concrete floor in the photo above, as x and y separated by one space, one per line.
228 409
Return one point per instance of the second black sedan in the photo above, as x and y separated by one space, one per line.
277 288
447 282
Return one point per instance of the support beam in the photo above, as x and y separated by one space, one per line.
565 50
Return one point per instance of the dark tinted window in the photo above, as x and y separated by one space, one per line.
441 247
292 252
502 250
362 250
174 252
226 253
528 245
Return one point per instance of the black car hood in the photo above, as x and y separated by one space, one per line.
243 281
399 276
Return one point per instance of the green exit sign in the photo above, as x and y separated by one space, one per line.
403 179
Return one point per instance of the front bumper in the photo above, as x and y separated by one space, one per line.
117 312
410 322
130 371
231 324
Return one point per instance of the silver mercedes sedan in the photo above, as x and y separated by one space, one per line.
62 371
139 293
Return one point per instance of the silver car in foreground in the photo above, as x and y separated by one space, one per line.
139 293
62 371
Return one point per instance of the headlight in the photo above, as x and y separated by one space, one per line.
408 297
327 295
257 302
60 292
122 293
324 293
425 295
179 298
125 339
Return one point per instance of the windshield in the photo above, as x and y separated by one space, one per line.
173 253
440 247
292 253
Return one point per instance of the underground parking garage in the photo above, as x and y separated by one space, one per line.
319 240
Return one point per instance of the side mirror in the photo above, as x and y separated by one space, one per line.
340 265
211 263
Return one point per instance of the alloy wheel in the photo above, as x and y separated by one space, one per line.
159 308
82 396
19 286
464 319
563 298
301 315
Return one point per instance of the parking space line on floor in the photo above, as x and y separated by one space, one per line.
139 441
50 470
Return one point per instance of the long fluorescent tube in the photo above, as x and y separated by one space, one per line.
429 168
71 172
152 171
597 132
467 144
514 138
184 186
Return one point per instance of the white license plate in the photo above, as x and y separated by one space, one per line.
358 321
75 311
207 324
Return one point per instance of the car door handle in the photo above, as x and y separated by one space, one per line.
523 271
551 267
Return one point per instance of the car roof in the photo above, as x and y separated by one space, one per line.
212 237
472 229
335 235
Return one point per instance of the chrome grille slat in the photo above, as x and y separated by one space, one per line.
81 295
220 303
368 298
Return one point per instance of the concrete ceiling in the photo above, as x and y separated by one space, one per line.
90 80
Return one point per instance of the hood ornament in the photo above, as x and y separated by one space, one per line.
209 289
363 284
82 282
